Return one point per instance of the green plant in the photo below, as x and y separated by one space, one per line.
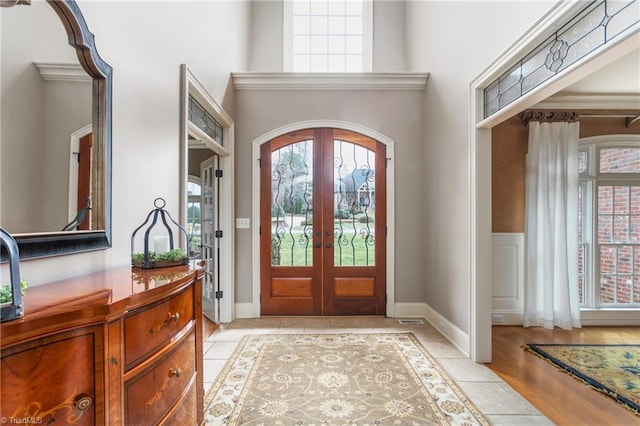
341 214
171 256
365 219
139 257
5 291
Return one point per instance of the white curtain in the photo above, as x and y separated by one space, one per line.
551 226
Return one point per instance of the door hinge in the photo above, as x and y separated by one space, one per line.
218 173
218 294
259 163
218 234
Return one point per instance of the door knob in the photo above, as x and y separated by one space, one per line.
328 233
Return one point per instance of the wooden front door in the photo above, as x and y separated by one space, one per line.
84 178
323 224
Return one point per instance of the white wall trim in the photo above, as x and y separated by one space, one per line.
332 81
480 276
455 335
191 85
411 310
50 71
507 295
591 101
255 200
610 317
244 310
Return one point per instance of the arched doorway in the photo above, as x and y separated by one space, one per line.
323 220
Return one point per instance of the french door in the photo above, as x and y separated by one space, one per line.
209 219
323 224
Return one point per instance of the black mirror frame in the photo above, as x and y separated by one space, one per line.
53 244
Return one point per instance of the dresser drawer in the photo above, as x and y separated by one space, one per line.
149 396
149 329
186 411
52 379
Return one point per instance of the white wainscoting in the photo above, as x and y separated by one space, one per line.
507 303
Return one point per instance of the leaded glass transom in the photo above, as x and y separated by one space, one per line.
596 25
205 121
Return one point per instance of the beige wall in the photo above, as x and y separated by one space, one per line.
455 42
509 148
145 43
266 53
38 119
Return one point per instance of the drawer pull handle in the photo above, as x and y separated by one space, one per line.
83 402
174 317
174 372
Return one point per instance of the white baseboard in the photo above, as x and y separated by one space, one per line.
410 310
604 317
402 310
499 317
588 317
455 335
245 310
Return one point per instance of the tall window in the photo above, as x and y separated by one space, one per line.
609 234
328 35
194 211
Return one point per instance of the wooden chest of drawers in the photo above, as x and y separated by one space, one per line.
118 347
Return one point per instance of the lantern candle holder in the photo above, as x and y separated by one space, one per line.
163 254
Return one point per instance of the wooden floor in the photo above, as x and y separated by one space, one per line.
208 327
562 398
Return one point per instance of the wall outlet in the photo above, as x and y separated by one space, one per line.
497 318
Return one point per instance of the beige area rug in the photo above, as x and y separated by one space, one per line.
336 379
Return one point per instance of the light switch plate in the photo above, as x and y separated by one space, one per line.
242 222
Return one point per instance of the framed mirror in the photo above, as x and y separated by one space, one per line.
55 183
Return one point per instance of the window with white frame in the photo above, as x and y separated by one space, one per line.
328 35
609 222
194 213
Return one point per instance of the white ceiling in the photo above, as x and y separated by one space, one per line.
619 77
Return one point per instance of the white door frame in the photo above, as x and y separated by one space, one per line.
480 151
255 201
190 85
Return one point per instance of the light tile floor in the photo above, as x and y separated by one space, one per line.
497 400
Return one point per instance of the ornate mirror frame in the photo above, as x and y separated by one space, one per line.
59 243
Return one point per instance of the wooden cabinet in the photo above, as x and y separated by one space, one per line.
118 347
33 388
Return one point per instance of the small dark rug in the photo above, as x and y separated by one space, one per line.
611 369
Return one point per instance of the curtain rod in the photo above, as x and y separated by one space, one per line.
541 115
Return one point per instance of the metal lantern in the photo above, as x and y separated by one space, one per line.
163 244
15 309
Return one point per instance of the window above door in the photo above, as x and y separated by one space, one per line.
328 36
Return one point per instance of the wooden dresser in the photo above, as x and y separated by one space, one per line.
120 347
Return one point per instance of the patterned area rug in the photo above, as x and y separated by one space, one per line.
336 379
611 369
